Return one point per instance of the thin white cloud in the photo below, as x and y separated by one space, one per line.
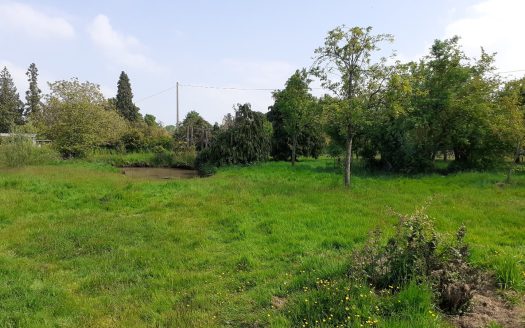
496 25
18 17
121 49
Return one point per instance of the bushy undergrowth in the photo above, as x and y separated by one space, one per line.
18 151
180 158
416 252
408 277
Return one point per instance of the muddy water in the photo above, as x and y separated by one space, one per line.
158 173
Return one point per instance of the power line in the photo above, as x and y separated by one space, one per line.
514 71
211 87
199 86
224 88
156 94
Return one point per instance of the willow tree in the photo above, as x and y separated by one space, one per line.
345 65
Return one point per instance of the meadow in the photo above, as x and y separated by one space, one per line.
82 245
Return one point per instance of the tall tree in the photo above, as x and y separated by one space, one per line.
33 94
293 103
347 54
124 100
11 108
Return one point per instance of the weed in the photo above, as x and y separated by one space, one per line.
509 273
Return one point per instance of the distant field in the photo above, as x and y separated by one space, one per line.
82 245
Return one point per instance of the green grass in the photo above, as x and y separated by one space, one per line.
84 246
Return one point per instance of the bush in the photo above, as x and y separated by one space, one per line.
417 253
18 151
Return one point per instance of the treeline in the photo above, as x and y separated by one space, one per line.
77 118
397 117
394 116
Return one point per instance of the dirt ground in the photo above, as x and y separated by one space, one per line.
490 307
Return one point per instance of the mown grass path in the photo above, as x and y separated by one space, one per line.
82 245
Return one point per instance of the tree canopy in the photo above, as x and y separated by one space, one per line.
76 119
347 55
295 131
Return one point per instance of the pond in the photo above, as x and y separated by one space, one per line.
158 173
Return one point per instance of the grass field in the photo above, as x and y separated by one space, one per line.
82 245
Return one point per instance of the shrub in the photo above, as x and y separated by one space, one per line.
417 253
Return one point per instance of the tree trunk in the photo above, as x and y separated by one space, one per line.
294 148
348 161
515 161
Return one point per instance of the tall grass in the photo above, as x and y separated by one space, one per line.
84 246
510 272
179 158
19 151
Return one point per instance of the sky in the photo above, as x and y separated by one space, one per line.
239 44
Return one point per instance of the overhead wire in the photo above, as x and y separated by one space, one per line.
199 86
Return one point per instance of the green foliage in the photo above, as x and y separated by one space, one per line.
178 158
11 108
335 303
84 245
348 52
510 273
416 253
194 131
150 120
140 136
76 120
18 151
246 141
124 100
33 94
422 117
296 129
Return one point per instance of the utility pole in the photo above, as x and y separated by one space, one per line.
177 103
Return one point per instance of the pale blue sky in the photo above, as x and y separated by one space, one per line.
245 44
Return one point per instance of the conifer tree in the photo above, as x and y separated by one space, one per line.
124 99
33 94
11 108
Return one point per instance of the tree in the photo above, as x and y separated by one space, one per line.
247 140
33 94
150 120
124 100
512 103
11 108
347 53
290 111
75 118
195 131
